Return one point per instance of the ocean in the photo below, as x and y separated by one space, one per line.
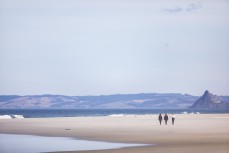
47 113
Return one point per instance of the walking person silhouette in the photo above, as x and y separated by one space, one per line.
166 118
173 118
160 118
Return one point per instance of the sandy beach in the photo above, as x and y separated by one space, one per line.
191 132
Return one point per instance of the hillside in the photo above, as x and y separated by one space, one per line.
119 101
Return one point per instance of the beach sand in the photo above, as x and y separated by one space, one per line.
191 133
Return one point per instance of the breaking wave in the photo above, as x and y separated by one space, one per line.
116 115
11 116
190 113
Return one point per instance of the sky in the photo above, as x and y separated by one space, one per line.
102 47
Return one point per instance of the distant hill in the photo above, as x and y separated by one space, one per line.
210 101
118 101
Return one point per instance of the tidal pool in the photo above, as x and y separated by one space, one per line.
12 143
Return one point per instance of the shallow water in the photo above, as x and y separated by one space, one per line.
11 143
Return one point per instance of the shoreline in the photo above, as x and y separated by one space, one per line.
50 113
191 132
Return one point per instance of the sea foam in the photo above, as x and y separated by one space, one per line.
11 116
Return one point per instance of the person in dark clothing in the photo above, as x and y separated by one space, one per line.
160 118
173 118
166 118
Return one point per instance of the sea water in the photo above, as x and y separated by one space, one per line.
44 113
12 143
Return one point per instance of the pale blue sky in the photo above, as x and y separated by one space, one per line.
94 47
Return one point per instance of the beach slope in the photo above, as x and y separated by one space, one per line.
191 133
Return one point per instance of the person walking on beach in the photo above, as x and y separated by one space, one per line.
160 118
173 118
166 118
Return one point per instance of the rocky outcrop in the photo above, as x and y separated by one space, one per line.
209 101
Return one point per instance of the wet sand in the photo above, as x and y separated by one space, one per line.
191 132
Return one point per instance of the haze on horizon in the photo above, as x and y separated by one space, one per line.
99 47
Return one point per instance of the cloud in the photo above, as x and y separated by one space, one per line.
188 8
192 7
174 10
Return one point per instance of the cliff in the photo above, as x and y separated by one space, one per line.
209 101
